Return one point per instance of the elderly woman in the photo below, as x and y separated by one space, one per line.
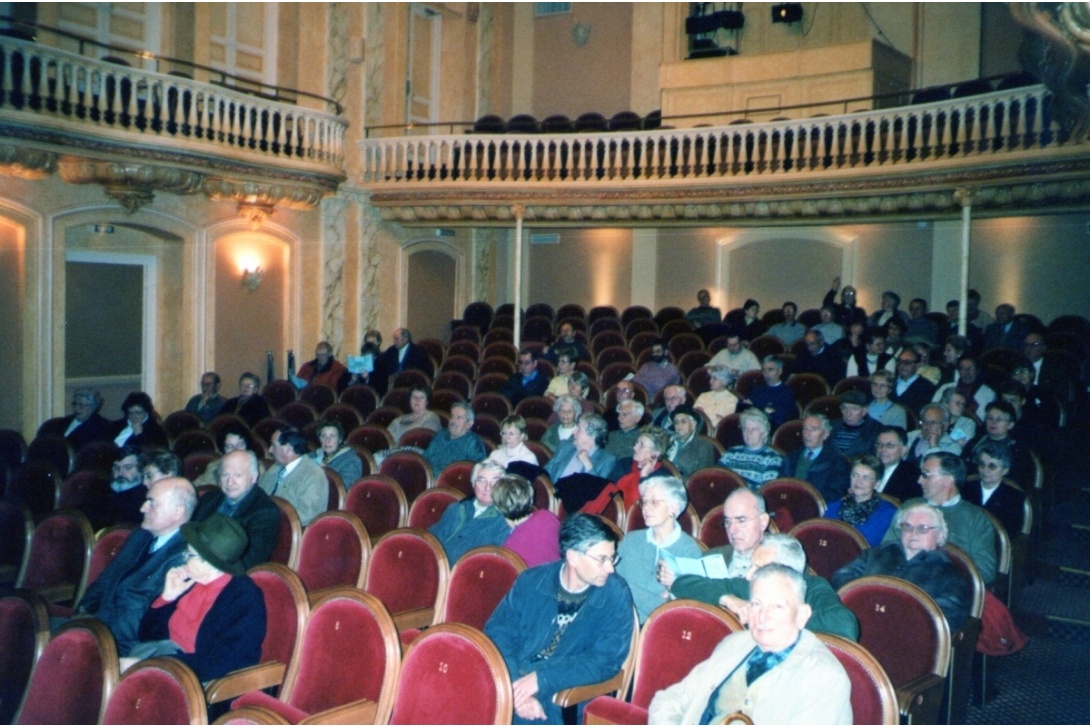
581 466
566 408
335 455
565 367
578 388
535 534
662 500
513 443
1007 503
689 452
158 464
880 407
210 616
917 559
961 429
647 456
755 462
139 427
861 507
231 438
719 402
419 417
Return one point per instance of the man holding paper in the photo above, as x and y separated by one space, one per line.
745 520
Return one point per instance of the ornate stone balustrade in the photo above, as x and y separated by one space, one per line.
865 163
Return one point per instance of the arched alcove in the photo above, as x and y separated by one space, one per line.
433 291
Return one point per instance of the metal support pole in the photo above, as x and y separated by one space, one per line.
964 197
518 210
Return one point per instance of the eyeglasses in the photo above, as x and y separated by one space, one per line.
990 465
997 420
188 555
601 560
909 528
642 502
929 475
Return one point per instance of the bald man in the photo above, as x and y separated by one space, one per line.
240 499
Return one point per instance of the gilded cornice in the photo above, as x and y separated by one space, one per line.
20 161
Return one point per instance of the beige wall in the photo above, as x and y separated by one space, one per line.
591 267
12 292
431 293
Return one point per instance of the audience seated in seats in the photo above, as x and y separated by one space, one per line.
127 492
820 359
720 401
581 467
790 330
527 381
914 555
564 624
125 589
456 443
208 404
854 433
871 356
512 443
323 369
880 408
474 521
942 476
1051 379
920 328
210 615
1034 426
973 338
934 435
567 409
993 461
851 340
662 499
927 369
749 324
998 423
831 331
775 398
776 672
578 388
735 356
565 366
401 356
371 373
745 519
971 385
847 312
818 461
139 426
296 477
977 318
1040 407
420 417
623 391
534 533
899 477
689 451
334 454
249 404
240 499
890 310
862 508
84 425
565 337
754 461
234 437
658 372
647 455
622 439
910 389
672 398
704 314
1005 332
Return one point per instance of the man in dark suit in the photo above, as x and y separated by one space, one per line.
135 577
527 381
820 359
84 425
900 478
818 462
911 390
405 355
249 404
239 498
1006 332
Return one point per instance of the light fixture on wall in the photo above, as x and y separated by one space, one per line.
255 212
580 32
251 278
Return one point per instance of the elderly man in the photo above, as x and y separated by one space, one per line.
1006 332
239 498
127 490
847 312
455 443
135 577
820 359
404 355
207 404
296 477
745 518
941 477
773 397
621 441
474 521
249 404
735 356
564 624
790 330
900 478
829 614
920 327
932 436
323 369
527 381
672 398
776 672
565 339
658 372
704 314
84 425
971 385
911 390
754 461
854 433
818 461
623 391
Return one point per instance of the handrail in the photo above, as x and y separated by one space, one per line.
278 92
975 126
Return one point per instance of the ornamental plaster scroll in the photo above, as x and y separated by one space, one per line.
132 185
333 210
24 163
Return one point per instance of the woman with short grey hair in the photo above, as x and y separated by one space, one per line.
566 409
720 401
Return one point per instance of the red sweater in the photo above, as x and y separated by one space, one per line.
628 486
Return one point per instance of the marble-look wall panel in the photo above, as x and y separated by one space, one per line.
12 295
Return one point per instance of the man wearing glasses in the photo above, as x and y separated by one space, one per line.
564 624
83 425
941 476
971 385
745 519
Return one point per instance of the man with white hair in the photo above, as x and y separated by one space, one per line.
475 521
83 425
621 440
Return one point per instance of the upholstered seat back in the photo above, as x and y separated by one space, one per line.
334 552
286 610
829 544
429 507
24 632
379 503
479 581
710 486
157 691
409 573
73 678
410 470
60 551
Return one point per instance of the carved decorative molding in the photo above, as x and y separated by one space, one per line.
19 161
132 185
263 193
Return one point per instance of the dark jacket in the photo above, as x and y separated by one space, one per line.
96 428
256 513
829 473
459 532
415 358
127 587
516 391
229 636
916 396
904 483
781 399
826 364
930 570
252 410
1006 503
866 434
153 435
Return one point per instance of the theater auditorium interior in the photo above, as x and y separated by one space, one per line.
219 187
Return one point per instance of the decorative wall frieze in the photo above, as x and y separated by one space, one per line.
25 163
263 193
132 185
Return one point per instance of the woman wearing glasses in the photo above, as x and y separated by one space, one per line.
861 507
662 500
917 559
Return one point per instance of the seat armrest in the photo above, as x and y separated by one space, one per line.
244 681
610 710
921 698
361 712
415 619
585 692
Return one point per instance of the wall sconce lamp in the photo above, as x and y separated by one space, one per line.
580 33
251 279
